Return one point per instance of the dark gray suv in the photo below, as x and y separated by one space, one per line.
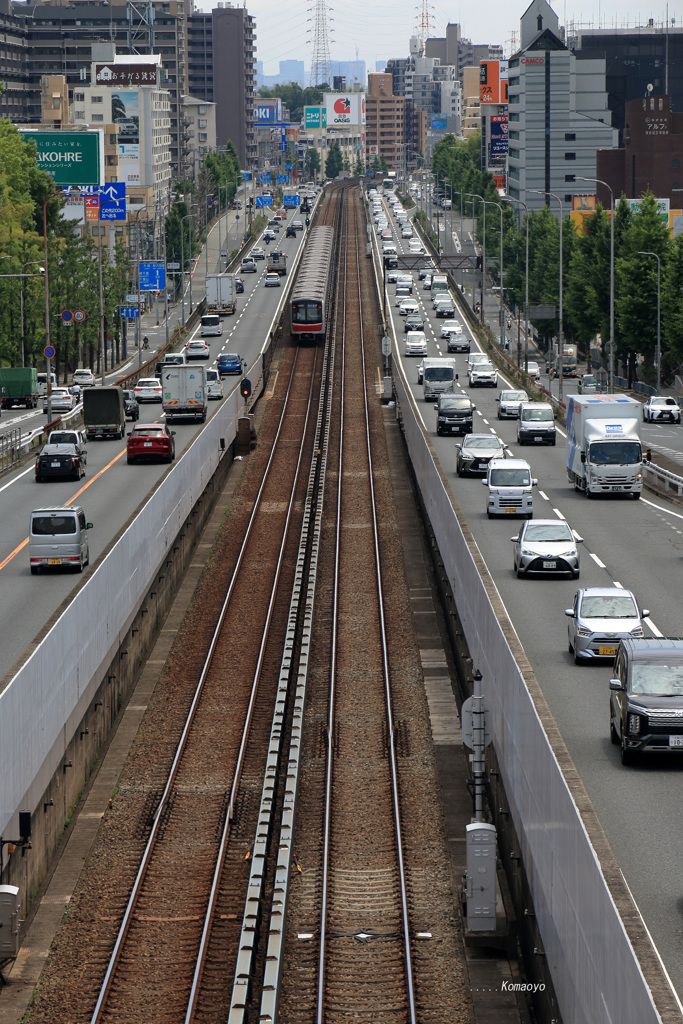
646 697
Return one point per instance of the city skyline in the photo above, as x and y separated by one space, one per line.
383 30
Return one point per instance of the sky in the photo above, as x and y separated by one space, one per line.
379 29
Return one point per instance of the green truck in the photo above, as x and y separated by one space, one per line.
18 386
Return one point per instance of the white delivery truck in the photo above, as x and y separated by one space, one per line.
220 294
184 392
604 454
437 376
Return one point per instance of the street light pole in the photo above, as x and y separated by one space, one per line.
103 360
47 302
473 195
137 252
659 350
489 202
207 204
188 216
560 339
599 181
507 199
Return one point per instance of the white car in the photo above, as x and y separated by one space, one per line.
483 375
84 378
214 384
546 545
149 389
408 306
450 327
416 343
197 350
272 281
660 409
62 400
509 401
534 370
406 231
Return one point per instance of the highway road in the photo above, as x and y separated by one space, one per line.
637 544
111 490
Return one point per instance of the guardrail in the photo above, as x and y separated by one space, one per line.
10 447
663 476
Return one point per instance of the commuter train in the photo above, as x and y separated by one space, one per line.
308 303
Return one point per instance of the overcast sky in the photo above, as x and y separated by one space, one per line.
379 29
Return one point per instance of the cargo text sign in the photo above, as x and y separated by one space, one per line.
72 158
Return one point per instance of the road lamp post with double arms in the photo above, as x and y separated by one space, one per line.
188 216
489 202
508 199
560 337
599 181
658 357
208 201
473 195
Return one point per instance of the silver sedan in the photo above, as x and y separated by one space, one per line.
598 619
546 546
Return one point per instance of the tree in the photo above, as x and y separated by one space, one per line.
333 164
383 164
312 162
359 169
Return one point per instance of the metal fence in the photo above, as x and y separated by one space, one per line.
10 448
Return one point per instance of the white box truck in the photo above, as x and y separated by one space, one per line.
220 294
437 376
604 453
184 392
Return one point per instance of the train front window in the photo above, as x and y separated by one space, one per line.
308 312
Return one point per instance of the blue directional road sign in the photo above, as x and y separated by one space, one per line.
264 178
282 179
152 277
264 200
291 200
113 210
128 312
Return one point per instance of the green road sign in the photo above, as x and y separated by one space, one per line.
71 157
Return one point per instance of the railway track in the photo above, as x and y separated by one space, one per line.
229 838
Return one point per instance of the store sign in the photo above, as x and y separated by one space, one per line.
344 108
493 81
72 158
499 135
315 117
126 74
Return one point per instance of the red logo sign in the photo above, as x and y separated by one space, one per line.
342 105
533 60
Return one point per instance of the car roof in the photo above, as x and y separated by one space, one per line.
56 509
57 448
139 427
646 648
511 464
547 522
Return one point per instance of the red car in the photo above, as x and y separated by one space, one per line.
151 441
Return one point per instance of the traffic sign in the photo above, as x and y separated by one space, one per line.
128 312
173 266
49 352
264 200
237 216
67 316
291 200
79 316
152 276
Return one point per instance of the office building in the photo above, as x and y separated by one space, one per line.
385 122
199 132
291 71
558 115
18 96
460 53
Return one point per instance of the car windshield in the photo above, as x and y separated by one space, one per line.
454 404
512 396
480 442
230 357
615 453
48 526
548 532
532 367
588 379
510 478
538 415
657 678
483 368
152 383
63 437
621 606
438 373
148 432
662 401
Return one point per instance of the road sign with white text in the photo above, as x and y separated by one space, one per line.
152 277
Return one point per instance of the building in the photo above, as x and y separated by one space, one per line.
60 36
639 61
460 53
292 71
558 115
225 40
651 156
471 109
18 96
199 131
385 121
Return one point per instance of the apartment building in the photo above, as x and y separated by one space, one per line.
385 121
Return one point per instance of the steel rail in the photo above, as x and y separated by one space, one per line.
151 842
320 1013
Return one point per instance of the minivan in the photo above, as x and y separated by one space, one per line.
536 423
58 537
211 325
42 382
509 488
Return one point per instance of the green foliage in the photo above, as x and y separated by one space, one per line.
312 162
359 168
334 161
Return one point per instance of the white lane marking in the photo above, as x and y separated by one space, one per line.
558 513
650 624
544 495
598 561
618 584
31 469
485 420
659 508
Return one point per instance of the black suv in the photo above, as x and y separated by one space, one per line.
413 322
131 406
454 414
646 697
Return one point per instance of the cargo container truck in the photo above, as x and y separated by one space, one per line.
18 386
604 453
569 361
220 294
437 376
277 263
184 392
104 412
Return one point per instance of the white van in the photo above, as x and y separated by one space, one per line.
58 537
509 488
214 384
42 382
211 325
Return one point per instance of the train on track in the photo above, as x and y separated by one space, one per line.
308 303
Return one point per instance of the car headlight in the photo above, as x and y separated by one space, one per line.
568 554
633 725
638 631
582 631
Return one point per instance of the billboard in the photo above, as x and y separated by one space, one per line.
493 81
126 74
71 157
344 108
315 117
268 111
125 111
439 123
498 134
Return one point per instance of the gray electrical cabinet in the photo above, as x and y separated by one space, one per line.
480 880
9 921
